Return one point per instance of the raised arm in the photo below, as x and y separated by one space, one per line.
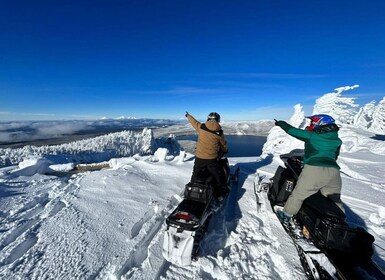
292 131
195 124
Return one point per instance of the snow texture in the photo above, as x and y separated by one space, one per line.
107 221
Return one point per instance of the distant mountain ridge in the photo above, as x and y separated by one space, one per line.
230 128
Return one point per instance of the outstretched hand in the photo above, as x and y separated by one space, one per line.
187 114
278 123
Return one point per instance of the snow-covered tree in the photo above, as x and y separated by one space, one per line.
364 117
378 124
298 117
279 142
102 148
342 109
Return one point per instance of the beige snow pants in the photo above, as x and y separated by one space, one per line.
312 179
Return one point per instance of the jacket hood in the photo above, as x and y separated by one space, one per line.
213 125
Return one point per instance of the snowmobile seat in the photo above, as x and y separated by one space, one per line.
324 207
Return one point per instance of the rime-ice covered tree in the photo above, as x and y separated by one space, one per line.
298 117
278 141
342 109
101 148
378 124
364 117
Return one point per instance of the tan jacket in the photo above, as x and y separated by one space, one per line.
211 142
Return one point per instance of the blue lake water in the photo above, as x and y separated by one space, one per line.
239 145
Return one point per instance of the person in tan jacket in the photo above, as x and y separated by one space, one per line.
210 147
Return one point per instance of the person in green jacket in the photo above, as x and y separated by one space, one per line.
321 171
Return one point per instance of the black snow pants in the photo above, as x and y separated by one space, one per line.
214 169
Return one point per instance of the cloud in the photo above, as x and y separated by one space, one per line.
31 130
27 114
269 75
23 131
7 115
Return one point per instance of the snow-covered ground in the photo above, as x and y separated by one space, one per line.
108 223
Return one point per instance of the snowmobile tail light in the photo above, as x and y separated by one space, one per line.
184 216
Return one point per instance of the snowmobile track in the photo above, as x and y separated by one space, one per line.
140 252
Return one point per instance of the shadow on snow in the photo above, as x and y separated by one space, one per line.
226 220
355 220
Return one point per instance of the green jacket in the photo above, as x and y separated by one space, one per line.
321 149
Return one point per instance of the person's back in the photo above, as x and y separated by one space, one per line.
322 144
322 148
209 143
210 146
211 140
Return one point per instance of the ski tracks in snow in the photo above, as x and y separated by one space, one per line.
153 226
145 260
22 227
240 243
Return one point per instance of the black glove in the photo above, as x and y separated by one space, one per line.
221 154
186 114
279 123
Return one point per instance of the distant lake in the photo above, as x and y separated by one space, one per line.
239 145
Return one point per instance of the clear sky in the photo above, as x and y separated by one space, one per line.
247 60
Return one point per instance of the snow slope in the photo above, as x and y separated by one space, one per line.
105 219
109 223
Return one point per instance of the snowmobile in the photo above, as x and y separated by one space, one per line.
187 224
321 223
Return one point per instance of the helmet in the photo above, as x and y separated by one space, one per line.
319 120
214 116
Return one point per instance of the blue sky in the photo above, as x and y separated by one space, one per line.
247 60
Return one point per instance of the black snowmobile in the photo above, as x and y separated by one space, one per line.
321 222
187 224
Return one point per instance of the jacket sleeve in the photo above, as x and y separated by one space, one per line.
295 132
223 144
195 124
